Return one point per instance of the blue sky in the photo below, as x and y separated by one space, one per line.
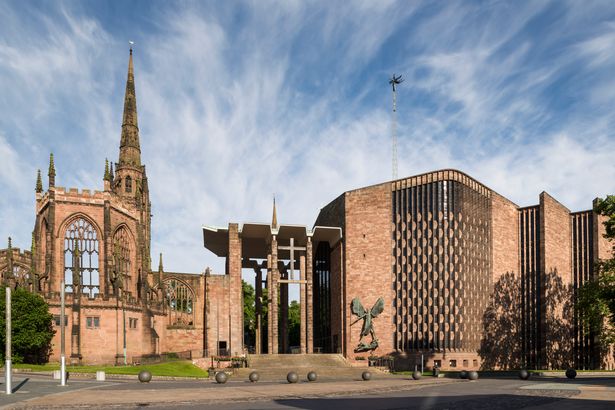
239 100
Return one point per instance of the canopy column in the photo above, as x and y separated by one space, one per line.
302 302
258 296
309 302
272 278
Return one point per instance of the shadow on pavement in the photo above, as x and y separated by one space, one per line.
594 381
20 385
478 402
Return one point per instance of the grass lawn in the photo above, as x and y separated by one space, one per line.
178 368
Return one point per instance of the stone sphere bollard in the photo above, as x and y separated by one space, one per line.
366 375
292 377
254 376
571 373
473 375
312 376
145 376
221 377
524 374
463 374
416 375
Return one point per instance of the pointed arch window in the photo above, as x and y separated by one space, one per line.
81 251
41 261
122 251
180 301
128 183
19 278
22 277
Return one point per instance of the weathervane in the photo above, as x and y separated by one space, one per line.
394 81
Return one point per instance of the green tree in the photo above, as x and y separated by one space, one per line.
32 327
294 323
249 313
596 298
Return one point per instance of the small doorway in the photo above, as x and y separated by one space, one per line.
222 349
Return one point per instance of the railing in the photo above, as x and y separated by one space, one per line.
236 362
382 362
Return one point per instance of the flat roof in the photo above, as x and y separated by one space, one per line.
255 238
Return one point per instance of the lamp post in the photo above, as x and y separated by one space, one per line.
7 367
62 330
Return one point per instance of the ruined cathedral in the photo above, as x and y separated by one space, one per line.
415 269
98 244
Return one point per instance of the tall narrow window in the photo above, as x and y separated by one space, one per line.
81 268
128 183
445 199
122 276
180 300
42 257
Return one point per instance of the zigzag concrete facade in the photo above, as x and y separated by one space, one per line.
470 280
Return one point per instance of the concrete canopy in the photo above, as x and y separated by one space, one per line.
255 238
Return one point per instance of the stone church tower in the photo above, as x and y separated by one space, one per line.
99 244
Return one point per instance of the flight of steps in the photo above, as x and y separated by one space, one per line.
275 367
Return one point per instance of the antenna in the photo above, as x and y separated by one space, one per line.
394 81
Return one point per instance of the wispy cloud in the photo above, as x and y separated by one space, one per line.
240 101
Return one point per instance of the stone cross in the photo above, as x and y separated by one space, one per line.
292 248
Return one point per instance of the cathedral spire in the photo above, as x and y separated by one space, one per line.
130 151
274 218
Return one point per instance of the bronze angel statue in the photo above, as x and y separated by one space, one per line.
368 327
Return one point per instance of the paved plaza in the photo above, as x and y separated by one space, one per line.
392 393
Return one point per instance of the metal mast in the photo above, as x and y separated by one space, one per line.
394 81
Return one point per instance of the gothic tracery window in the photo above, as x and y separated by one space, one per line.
21 277
180 301
81 268
128 182
42 257
122 260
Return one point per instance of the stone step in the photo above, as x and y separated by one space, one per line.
324 373
296 360
275 367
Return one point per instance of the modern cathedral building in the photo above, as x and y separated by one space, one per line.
469 279
436 268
